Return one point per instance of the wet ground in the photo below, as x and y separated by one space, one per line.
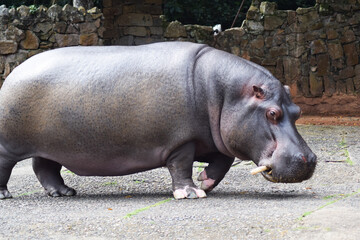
243 206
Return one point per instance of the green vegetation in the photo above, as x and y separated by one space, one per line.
330 197
139 181
293 5
17 3
137 211
347 155
33 9
67 171
205 12
47 3
28 193
200 167
344 146
110 183
339 198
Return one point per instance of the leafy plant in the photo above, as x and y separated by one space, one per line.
211 12
344 147
205 12
293 5
33 9
47 3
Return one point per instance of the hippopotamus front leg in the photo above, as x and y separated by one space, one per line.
180 164
48 173
212 175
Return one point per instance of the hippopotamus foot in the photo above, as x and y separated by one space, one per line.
6 167
180 164
212 175
48 173
189 192
207 184
62 190
4 193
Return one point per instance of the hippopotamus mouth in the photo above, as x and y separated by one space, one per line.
267 174
291 175
286 169
266 169
266 161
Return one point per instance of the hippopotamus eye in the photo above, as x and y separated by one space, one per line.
273 115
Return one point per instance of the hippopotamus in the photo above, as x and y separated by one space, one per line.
118 110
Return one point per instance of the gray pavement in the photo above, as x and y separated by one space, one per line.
243 206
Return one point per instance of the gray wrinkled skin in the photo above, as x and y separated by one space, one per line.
110 111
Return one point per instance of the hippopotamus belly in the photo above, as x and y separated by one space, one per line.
94 118
110 111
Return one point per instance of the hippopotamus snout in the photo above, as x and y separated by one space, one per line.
288 167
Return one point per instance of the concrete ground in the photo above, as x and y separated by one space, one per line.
243 206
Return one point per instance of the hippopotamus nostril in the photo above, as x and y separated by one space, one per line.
306 159
312 158
299 158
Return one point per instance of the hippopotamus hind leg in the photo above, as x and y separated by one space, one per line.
180 164
6 167
212 175
48 173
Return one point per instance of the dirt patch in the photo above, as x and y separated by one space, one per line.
340 105
330 120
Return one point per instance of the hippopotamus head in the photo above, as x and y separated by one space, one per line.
258 122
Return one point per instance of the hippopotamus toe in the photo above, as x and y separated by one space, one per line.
207 184
62 191
212 175
4 194
189 192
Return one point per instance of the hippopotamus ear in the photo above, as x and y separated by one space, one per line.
287 90
258 92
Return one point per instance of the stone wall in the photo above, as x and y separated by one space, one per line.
27 31
132 22
313 50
